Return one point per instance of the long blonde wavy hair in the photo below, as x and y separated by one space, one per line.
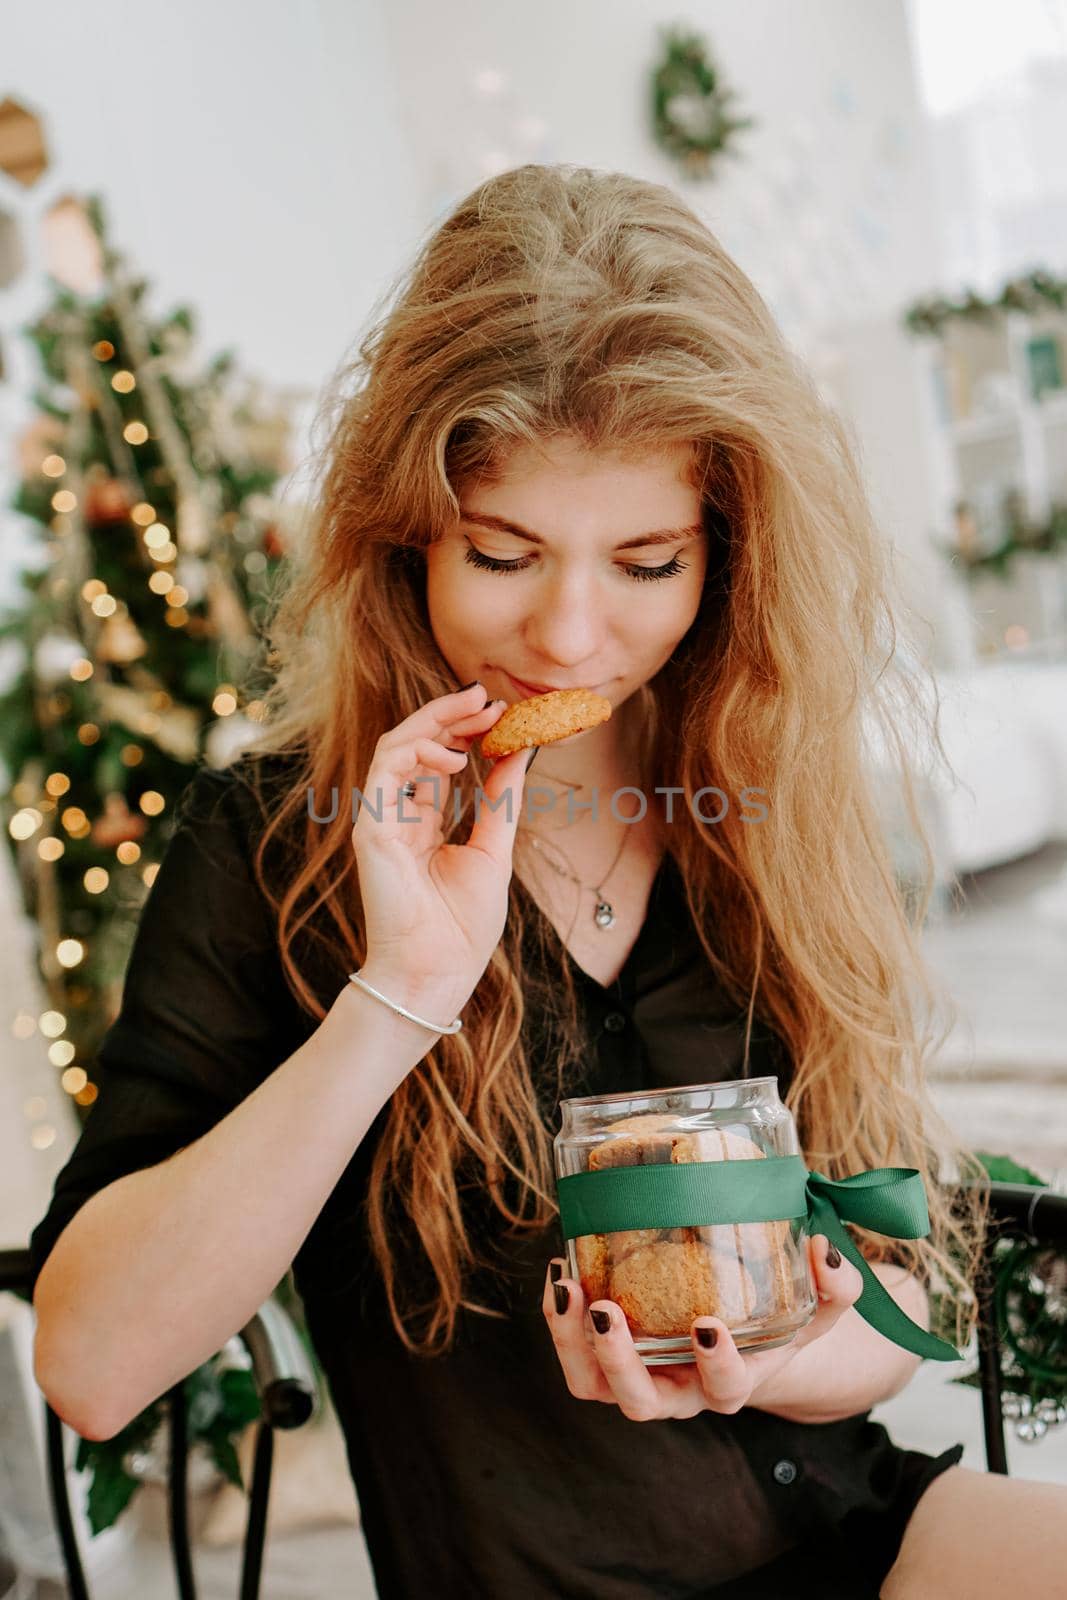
560 300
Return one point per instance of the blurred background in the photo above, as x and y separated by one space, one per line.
199 211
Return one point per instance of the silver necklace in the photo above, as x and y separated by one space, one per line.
603 911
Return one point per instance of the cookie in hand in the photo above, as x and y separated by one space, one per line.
544 718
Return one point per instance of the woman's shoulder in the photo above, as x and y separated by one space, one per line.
242 795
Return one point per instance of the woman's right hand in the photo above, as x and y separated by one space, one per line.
434 912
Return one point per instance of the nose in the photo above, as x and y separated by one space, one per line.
569 623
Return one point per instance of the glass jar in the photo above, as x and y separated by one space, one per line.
754 1276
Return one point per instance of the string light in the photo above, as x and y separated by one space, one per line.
25 823
52 1023
148 873
123 382
151 802
96 880
88 733
61 1054
24 1026
131 755
74 820
175 617
177 596
161 582
74 1080
164 552
50 849
69 952
42 1136
155 535
143 514
103 350
57 783
135 433
128 852
86 1096
81 670
64 501
225 701
53 466
104 605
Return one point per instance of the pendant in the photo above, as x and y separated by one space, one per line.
604 915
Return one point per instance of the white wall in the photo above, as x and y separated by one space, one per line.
244 151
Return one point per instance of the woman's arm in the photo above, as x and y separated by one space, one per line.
157 1270
853 1367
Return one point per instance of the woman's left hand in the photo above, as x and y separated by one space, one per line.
723 1378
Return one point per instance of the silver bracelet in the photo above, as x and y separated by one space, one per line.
453 1027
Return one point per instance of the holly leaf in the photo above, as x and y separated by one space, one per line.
1003 1169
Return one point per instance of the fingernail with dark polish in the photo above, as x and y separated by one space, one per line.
563 1295
555 1271
833 1255
529 762
601 1321
468 685
707 1337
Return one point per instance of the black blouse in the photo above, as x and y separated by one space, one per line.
478 1473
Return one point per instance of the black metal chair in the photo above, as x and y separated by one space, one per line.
288 1396
1039 1216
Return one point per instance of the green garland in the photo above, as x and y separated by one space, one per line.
1034 292
1025 538
691 115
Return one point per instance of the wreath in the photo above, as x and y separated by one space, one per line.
692 118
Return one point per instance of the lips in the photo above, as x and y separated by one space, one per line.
541 688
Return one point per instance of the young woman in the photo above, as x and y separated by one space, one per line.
577 453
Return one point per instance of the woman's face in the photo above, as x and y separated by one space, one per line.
561 576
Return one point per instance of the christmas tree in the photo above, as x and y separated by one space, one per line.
146 480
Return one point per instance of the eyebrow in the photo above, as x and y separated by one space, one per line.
657 536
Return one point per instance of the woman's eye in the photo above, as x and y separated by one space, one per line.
641 574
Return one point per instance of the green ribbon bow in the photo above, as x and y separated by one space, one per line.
700 1194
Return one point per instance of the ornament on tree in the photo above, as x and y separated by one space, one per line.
228 737
106 499
191 573
193 534
53 656
175 731
117 823
37 441
273 546
120 640
228 615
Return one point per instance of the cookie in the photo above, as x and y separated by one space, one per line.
662 1288
544 718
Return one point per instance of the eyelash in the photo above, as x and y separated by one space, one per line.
640 574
